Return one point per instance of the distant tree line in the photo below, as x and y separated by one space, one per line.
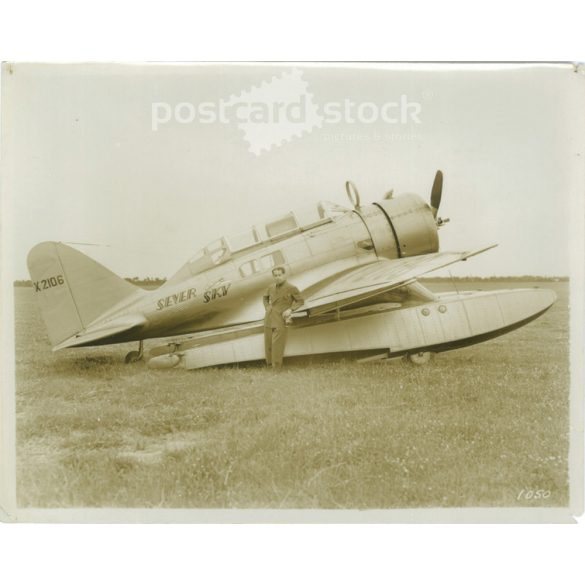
149 281
154 281
523 278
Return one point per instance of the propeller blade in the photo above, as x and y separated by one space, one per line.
436 192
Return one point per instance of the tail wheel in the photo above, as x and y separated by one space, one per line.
135 356
420 358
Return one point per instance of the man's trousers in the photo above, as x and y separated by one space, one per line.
274 342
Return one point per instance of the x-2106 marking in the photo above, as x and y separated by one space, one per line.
50 282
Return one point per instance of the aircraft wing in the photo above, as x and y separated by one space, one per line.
372 279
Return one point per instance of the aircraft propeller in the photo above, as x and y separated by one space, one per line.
436 192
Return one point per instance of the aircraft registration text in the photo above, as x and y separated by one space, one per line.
48 283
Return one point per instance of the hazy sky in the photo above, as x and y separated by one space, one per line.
83 164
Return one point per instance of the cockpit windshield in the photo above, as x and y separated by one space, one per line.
281 227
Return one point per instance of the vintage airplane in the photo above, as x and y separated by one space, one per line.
357 269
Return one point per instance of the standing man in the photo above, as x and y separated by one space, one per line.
280 300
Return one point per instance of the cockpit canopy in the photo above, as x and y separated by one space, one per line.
281 227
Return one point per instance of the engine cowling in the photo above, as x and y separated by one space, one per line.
413 225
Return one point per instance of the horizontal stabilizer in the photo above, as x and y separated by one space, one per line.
104 332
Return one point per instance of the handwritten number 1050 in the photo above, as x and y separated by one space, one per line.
533 494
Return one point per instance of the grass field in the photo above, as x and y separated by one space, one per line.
475 427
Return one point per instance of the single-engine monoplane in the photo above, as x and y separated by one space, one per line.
357 268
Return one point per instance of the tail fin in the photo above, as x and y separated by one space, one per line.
72 289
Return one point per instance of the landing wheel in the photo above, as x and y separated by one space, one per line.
420 358
135 356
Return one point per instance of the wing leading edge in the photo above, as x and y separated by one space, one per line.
372 279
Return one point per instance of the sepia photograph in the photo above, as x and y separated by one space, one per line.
328 292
